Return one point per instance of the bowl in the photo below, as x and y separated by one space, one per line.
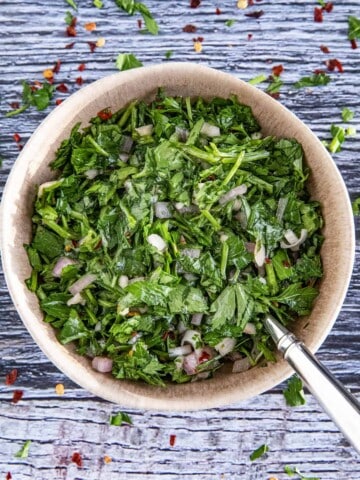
31 169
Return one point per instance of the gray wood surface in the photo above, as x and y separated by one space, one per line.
212 444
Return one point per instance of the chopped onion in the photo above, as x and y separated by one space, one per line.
197 318
135 338
201 376
181 327
127 144
61 264
92 173
145 130
236 205
294 241
191 337
102 364
223 237
82 283
182 134
45 185
123 281
124 157
156 241
162 210
178 351
190 277
76 299
241 365
210 130
250 329
259 254
190 363
281 208
181 208
191 252
226 346
241 217
232 194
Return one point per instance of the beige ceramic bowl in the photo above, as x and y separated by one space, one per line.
115 91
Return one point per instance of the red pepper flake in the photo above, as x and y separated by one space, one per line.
286 264
69 46
218 11
189 28
275 95
17 139
198 39
105 114
12 376
15 105
20 147
139 22
92 46
267 260
71 31
172 440
62 88
318 14
250 35
318 71
257 14
79 81
56 68
353 44
77 458
194 3
333 64
8 476
204 357
17 396
328 7
324 49
58 101
250 3
277 70
81 67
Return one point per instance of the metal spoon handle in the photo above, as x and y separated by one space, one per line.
341 406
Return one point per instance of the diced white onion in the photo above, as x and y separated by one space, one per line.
281 208
190 363
210 130
232 194
135 338
182 134
241 365
92 173
190 277
136 279
250 329
242 219
191 252
181 327
124 157
294 241
181 208
123 281
236 205
223 237
259 254
178 351
156 241
61 264
47 185
196 319
191 337
145 130
76 299
82 283
127 144
250 247
226 346
102 364
98 327
162 210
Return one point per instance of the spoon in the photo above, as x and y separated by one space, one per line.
341 406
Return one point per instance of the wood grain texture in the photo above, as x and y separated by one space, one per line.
214 444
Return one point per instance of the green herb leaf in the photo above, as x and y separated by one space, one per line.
38 97
356 206
291 471
316 80
98 3
169 54
72 4
69 17
258 79
294 393
230 22
354 27
347 115
24 450
119 419
259 452
132 7
126 61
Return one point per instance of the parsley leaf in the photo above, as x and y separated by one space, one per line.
230 22
275 84
24 450
291 471
126 61
72 4
258 79
132 7
259 452
346 114
339 134
119 419
294 393
316 80
354 28
34 97
98 3
69 17
356 206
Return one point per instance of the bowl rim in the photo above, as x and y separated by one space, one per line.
63 359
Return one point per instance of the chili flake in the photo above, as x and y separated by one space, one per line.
56 67
172 440
318 14
90 26
71 31
189 28
107 459
218 11
194 3
15 105
81 67
257 14
318 71
76 458
92 46
62 88
277 70
353 44
333 64
69 45
17 139
79 80
328 7
58 101
324 49
250 35
17 396
8 476
100 42
197 47
105 114
242 4
48 74
60 389
139 22
12 376
204 357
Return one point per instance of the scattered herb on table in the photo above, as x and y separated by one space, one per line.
24 450
126 61
315 80
275 83
291 471
172 229
169 54
72 4
230 22
294 393
132 7
258 79
347 115
356 206
353 30
339 134
98 3
34 96
259 452
119 419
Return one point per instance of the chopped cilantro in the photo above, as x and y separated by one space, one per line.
168 54
72 4
98 3
24 450
230 22
69 17
259 452
346 114
274 85
294 393
354 27
316 80
34 97
126 61
258 79
119 419
291 471
356 206
132 7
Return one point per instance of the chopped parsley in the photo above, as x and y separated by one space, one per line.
339 134
34 97
294 393
230 22
258 79
347 115
356 206
119 419
291 471
98 3
353 27
132 7
169 54
24 450
126 61
259 452
168 234
316 80
72 4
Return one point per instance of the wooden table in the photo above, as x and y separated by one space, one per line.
212 444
